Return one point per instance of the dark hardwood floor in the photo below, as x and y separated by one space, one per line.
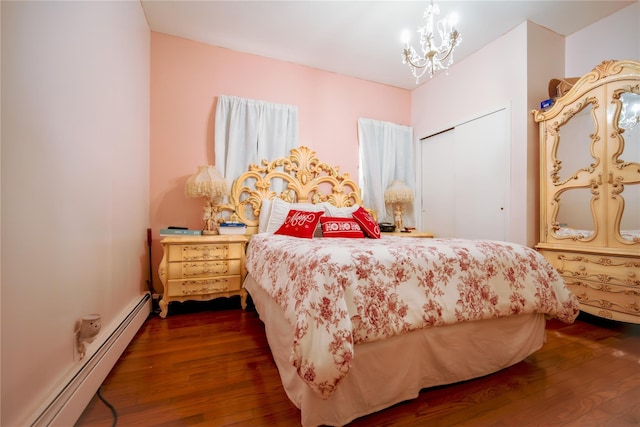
208 364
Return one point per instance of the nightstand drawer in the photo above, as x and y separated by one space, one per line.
204 286
178 253
194 269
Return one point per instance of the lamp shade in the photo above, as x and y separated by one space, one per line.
398 192
207 182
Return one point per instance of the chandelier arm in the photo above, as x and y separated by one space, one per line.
443 58
418 72
413 64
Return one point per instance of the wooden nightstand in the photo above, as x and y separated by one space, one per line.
201 268
422 234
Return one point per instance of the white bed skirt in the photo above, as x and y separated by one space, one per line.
396 369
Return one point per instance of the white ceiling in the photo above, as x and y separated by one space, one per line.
358 38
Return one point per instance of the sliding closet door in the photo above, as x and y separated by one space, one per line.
438 187
465 179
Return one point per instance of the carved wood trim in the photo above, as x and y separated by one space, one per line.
607 71
305 179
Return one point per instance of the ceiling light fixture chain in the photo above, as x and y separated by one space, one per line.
434 57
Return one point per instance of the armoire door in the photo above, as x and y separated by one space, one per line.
465 179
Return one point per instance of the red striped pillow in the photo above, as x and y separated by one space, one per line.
340 227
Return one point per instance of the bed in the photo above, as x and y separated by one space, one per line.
357 323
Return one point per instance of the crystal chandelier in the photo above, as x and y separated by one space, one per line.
434 58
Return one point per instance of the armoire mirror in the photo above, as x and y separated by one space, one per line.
576 162
629 126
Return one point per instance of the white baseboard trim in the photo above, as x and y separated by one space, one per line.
70 400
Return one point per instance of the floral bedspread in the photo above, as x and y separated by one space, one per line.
338 292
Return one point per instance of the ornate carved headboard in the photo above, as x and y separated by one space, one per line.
299 177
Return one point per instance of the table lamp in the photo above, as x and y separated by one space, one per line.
397 194
207 183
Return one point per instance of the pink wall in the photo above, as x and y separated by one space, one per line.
75 147
187 77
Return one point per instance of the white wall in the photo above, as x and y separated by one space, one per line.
545 53
75 183
614 37
494 77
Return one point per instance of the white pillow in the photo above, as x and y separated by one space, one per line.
342 212
280 209
265 213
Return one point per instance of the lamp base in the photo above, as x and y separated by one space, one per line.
398 213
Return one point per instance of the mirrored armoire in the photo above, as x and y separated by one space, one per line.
590 189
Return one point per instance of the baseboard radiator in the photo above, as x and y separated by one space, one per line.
69 402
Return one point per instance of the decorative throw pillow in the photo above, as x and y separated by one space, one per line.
340 227
368 224
300 224
280 209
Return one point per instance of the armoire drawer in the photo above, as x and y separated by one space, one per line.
601 299
604 269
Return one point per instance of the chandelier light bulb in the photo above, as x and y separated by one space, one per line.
405 37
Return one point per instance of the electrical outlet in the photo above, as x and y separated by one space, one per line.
84 333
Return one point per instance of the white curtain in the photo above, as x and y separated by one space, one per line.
248 131
386 154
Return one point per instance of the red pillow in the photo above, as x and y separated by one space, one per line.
368 224
340 227
300 224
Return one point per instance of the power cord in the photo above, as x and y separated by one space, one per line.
113 410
